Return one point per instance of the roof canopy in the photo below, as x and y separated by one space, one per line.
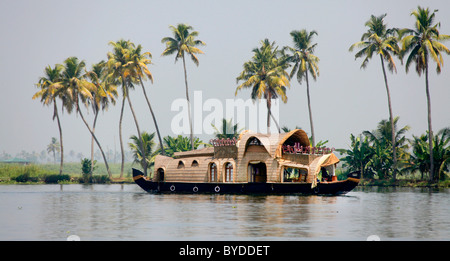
331 159
294 136
273 142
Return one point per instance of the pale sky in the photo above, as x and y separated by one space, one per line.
345 99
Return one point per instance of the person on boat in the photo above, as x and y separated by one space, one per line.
325 175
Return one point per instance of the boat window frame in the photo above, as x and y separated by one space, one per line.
302 177
213 175
226 168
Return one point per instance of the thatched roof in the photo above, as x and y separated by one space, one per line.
329 159
273 142
296 135
208 151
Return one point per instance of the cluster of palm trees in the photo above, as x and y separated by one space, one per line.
265 74
126 66
71 83
267 77
371 153
420 46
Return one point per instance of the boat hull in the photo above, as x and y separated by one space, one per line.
323 188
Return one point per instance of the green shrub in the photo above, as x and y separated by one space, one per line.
101 179
445 184
29 173
56 178
25 178
98 179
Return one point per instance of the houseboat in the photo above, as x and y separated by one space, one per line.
254 163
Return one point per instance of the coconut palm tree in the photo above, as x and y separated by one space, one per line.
382 142
139 61
184 43
180 143
47 95
420 157
304 61
265 74
119 66
75 88
422 45
105 93
227 130
54 147
358 156
441 152
380 40
148 146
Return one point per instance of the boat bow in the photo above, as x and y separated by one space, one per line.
141 181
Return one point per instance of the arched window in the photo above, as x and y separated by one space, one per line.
180 165
213 172
160 173
228 172
254 141
194 163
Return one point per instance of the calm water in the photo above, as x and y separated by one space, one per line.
125 212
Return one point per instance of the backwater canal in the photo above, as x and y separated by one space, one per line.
125 212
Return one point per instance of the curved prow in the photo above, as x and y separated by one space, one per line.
138 177
137 174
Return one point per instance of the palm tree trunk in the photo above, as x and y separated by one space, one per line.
95 138
276 122
60 136
141 143
269 106
188 102
310 113
153 116
430 130
394 149
361 156
120 138
92 141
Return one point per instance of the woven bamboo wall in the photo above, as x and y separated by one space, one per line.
187 172
299 158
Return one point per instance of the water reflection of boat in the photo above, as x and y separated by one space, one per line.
254 163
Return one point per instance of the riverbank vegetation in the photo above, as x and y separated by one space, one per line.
383 155
72 173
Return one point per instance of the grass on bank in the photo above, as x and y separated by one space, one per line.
49 173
